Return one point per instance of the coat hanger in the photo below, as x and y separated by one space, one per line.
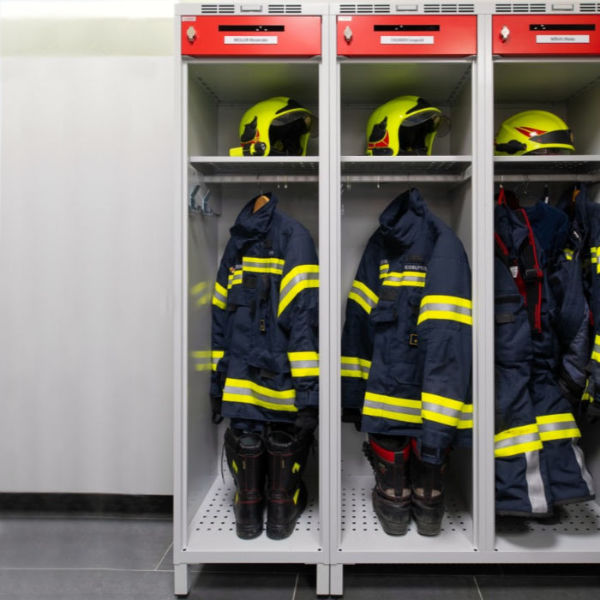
260 202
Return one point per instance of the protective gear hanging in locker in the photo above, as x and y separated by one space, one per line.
265 363
583 249
406 356
538 461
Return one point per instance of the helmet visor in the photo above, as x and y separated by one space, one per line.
421 117
309 122
560 136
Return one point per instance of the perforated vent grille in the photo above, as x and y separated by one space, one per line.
217 9
589 7
285 9
448 8
364 9
520 7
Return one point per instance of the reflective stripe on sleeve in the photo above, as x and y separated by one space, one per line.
449 308
596 349
304 364
388 407
273 266
440 409
517 440
247 392
353 366
215 357
384 268
220 296
406 278
299 278
235 277
363 296
557 427
465 420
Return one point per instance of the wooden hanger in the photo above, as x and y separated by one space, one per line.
260 202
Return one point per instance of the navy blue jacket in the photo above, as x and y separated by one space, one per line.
406 345
265 319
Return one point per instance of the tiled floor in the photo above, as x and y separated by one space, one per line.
62 557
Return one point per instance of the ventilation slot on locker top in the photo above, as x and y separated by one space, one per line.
285 9
449 8
364 9
217 9
589 7
521 7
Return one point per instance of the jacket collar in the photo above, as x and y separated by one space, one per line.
402 222
254 225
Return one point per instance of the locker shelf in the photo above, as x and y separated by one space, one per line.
362 533
232 169
558 168
576 530
406 168
212 535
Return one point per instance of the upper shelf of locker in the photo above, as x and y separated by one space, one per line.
547 168
233 169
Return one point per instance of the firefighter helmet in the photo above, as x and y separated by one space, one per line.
278 126
533 132
404 125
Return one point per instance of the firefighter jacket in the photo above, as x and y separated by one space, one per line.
265 362
537 458
406 345
583 249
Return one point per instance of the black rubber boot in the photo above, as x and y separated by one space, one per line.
427 499
247 462
389 457
286 493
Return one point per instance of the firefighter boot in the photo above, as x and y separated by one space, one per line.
389 457
247 461
286 493
427 500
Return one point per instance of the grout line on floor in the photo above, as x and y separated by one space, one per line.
296 586
477 586
163 556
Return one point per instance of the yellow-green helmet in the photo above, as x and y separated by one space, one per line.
278 126
404 125
533 132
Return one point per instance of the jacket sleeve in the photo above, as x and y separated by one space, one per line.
298 316
444 331
226 276
357 334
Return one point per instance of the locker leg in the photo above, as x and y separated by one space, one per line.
181 576
336 580
322 580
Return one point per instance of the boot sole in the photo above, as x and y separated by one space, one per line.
391 526
246 533
428 522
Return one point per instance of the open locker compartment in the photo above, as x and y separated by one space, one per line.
215 93
568 86
361 537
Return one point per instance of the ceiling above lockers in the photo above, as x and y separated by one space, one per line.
375 82
245 82
543 80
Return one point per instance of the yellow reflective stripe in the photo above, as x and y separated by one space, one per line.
363 296
465 421
596 349
405 278
247 392
568 253
253 264
258 260
304 364
441 409
384 267
299 278
389 407
353 366
370 294
557 427
518 449
216 356
517 440
220 296
450 308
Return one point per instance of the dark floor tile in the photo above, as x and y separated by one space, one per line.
369 582
83 543
48 584
233 585
546 586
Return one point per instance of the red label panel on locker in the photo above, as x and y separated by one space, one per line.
251 36
406 36
546 34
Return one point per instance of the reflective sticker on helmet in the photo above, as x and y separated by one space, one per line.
530 131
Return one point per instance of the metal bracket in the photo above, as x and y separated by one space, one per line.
201 207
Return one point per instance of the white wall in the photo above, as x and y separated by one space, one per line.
86 247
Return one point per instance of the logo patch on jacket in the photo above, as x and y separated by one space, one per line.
414 267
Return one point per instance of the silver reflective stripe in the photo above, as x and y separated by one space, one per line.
518 439
442 410
535 483
543 427
359 292
304 364
263 265
461 310
247 391
585 474
596 346
220 297
409 410
354 367
297 279
402 278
